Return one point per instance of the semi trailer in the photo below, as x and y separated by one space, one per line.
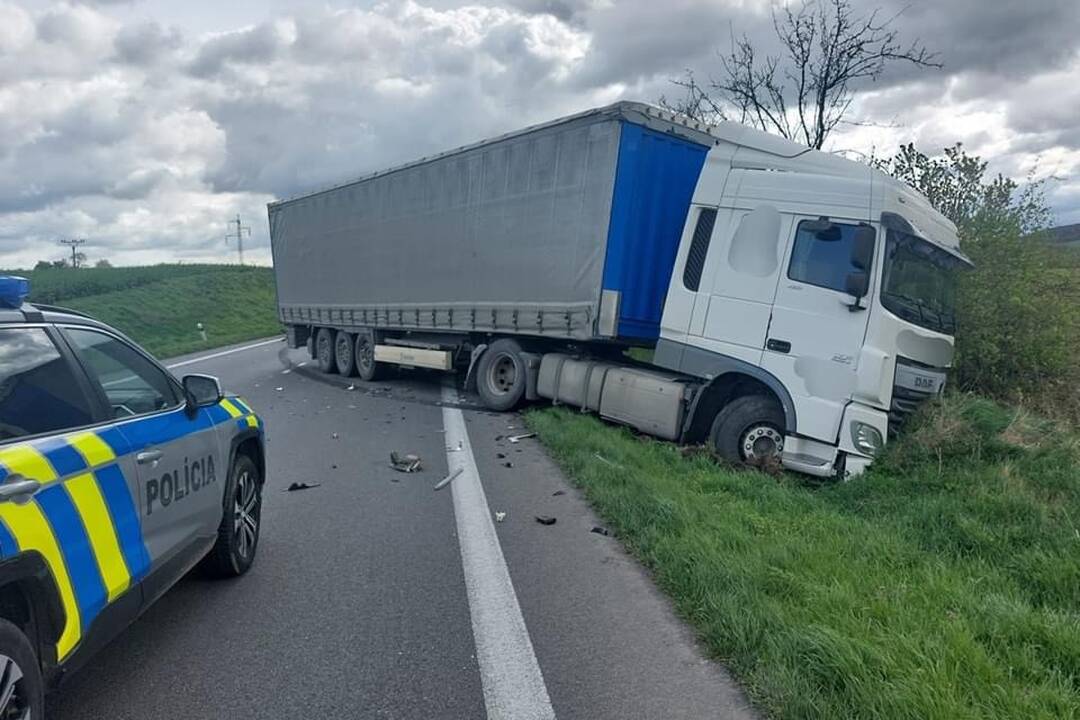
792 304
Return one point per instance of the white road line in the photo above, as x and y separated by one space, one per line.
509 673
223 353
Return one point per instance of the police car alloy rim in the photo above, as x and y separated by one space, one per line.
246 524
13 705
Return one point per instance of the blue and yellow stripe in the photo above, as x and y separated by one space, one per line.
87 527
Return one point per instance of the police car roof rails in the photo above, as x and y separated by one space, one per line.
60 309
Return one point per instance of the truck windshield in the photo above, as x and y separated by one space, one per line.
920 282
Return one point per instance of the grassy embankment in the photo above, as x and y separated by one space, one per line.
945 583
158 306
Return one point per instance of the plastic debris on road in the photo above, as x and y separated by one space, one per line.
446 480
600 530
300 486
545 520
405 463
499 516
558 493
519 438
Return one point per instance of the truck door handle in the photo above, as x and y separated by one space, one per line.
781 346
149 456
18 489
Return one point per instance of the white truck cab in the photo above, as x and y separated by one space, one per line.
828 280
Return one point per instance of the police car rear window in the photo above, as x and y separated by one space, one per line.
38 391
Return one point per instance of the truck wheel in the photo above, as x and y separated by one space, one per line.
343 354
749 429
500 375
238 534
22 693
365 357
324 350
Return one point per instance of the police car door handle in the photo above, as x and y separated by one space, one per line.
149 456
18 489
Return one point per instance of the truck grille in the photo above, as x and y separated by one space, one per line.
905 402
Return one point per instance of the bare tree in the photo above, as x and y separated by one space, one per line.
804 92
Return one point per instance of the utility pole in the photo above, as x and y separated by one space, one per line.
238 233
74 243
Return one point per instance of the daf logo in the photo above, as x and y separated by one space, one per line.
924 382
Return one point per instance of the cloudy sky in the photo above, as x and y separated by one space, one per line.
144 125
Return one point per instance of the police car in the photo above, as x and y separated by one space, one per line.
115 480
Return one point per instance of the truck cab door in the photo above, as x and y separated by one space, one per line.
816 330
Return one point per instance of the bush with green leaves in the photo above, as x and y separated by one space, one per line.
1019 309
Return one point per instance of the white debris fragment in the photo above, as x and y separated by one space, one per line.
499 516
446 480
518 438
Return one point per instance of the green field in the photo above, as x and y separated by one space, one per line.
945 583
159 305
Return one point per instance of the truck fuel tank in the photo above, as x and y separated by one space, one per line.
652 402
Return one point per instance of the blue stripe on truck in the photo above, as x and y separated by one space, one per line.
654 183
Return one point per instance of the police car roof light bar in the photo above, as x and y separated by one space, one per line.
13 290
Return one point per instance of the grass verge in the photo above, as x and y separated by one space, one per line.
233 303
945 583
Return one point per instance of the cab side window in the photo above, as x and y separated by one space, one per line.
38 389
823 258
132 384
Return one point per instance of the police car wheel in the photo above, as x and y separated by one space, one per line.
22 694
324 350
238 534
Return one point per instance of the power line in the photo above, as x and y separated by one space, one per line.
74 243
239 235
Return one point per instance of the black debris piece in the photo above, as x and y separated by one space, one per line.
558 493
600 530
508 464
300 486
545 520
500 455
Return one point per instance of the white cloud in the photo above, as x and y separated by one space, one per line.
128 125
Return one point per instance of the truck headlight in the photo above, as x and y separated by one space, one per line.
866 438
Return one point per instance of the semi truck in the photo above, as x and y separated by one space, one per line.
700 283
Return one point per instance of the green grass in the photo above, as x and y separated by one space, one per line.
159 306
944 583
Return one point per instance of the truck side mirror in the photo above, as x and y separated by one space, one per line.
862 248
857 284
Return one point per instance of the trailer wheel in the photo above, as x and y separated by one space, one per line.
343 354
324 350
500 375
749 429
365 357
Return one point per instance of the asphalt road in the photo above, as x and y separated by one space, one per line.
374 596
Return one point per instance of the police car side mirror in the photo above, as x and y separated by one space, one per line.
202 390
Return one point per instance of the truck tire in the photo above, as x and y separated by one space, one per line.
22 692
238 533
324 350
500 375
366 366
343 354
749 430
